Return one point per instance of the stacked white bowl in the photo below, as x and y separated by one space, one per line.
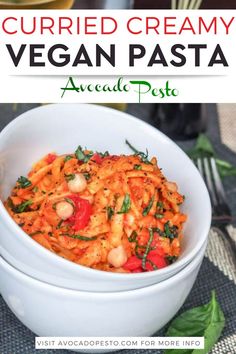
55 297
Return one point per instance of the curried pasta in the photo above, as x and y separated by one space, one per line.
107 212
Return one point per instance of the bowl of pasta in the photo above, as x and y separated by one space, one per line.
52 311
96 200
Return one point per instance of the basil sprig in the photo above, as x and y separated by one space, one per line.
126 205
207 321
143 156
24 182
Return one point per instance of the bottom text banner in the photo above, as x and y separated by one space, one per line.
119 343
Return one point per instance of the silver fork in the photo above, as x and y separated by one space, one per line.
221 216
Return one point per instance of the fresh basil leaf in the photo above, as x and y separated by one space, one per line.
147 250
160 205
81 156
87 175
143 156
82 238
103 154
170 231
70 177
148 207
70 201
59 224
20 208
24 182
207 320
137 167
158 216
110 212
126 205
171 259
225 168
203 148
67 158
133 237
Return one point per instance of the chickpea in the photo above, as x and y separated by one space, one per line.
64 210
117 257
78 183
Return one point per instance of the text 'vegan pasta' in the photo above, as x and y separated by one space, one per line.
107 212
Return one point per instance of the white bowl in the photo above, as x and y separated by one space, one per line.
48 310
62 128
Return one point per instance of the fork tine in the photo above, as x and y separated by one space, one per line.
200 167
208 180
174 4
219 186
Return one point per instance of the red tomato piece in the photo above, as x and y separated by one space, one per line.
83 211
159 262
97 158
133 263
137 270
50 158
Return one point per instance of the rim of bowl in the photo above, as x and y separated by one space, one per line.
45 253
127 293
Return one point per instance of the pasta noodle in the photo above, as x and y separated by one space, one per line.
108 212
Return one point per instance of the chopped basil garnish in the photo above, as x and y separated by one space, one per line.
148 207
142 155
171 259
126 205
35 189
170 231
70 177
158 216
87 175
160 205
68 200
144 260
133 237
82 238
137 167
110 212
67 158
103 154
20 208
24 182
59 224
81 156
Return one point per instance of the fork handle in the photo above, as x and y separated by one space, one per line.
223 231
